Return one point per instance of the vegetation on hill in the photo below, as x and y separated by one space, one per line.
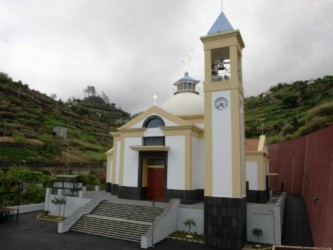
27 119
290 110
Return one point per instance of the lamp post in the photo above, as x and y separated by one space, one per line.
153 219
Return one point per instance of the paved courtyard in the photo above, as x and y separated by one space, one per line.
28 233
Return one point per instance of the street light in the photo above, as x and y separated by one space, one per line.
152 235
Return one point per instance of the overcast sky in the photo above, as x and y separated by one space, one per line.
133 49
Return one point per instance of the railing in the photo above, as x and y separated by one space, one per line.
162 226
64 226
283 247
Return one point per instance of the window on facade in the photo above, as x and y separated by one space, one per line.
153 140
155 161
153 122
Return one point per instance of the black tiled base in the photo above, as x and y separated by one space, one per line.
112 188
133 193
225 222
185 196
257 196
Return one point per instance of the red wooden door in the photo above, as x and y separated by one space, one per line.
155 189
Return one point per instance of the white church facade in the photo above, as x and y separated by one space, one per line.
193 147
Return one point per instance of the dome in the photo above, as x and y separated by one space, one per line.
185 104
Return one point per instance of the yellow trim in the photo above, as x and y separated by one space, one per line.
188 162
183 130
225 39
150 148
261 176
208 145
262 143
114 163
109 152
154 110
236 144
132 132
144 172
121 165
115 134
194 119
156 166
261 161
109 167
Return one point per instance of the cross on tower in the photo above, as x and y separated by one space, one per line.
186 61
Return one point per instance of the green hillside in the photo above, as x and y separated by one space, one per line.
27 119
290 110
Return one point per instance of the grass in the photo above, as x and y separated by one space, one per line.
48 217
180 235
256 245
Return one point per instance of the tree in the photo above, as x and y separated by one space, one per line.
257 232
53 96
188 223
105 98
90 91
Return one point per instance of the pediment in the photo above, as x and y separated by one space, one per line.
168 118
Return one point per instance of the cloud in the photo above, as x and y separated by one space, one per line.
133 49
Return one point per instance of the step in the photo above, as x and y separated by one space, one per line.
111 228
134 212
118 220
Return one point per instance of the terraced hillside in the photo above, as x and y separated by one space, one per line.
27 119
288 111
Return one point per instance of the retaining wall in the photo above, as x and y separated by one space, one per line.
305 167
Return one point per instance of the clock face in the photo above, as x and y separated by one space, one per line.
221 103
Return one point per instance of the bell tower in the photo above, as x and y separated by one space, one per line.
225 191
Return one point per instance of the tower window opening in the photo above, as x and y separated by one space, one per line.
221 70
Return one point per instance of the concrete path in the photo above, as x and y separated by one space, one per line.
29 233
296 229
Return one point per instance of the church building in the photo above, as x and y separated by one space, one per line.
193 147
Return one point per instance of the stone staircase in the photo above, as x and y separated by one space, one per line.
117 220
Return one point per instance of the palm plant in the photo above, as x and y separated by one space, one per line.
188 223
257 232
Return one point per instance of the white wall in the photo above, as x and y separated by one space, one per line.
29 208
72 203
131 159
221 148
176 162
252 175
197 214
267 217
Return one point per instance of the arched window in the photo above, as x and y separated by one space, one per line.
153 122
